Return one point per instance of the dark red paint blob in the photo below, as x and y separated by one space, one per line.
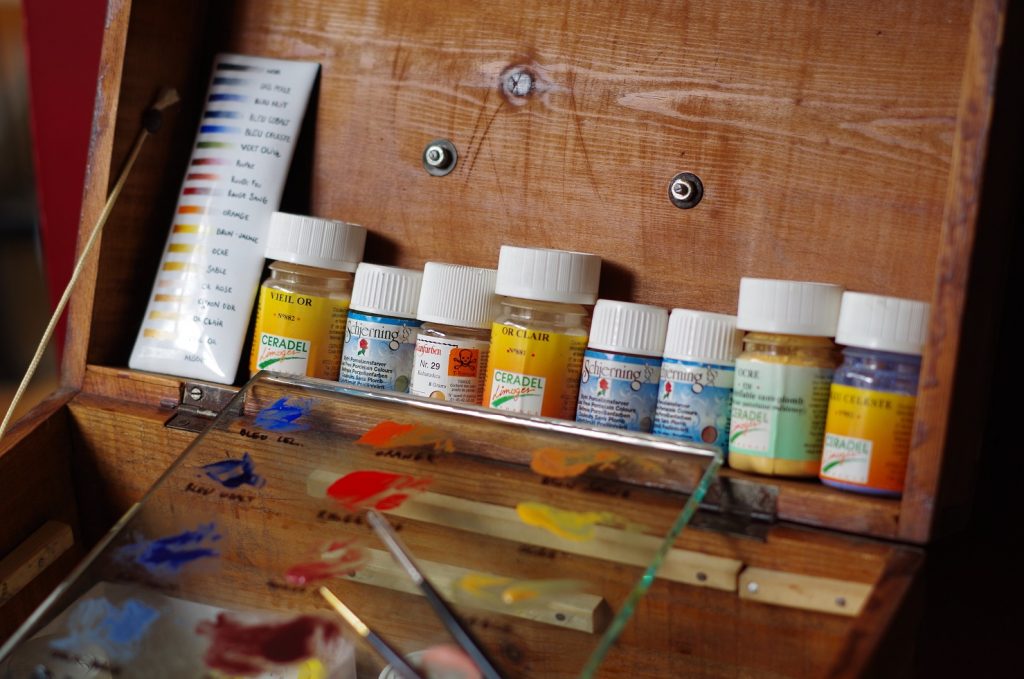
251 649
380 490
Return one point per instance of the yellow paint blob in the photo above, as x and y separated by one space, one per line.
496 590
575 526
312 669
558 463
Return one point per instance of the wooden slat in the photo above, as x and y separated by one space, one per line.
32 557
939 365
827 595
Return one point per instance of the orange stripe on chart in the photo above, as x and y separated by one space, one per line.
191 210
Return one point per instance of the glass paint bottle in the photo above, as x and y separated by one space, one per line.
783 376
380 337
303 305
457 305
874 394
697 374
622 366
537 342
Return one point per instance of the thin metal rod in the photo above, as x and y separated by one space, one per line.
164 99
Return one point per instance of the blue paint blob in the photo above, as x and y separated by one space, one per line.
281 415
235 473
118 631
173 552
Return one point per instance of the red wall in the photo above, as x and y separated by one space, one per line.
62 43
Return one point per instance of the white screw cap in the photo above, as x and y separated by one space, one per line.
323 243
883 323
788 307
548 275
703 337
626 328
386 290
458 295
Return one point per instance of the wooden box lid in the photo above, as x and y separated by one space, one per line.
838 142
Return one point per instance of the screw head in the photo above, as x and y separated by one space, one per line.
752 587
685 190
439 157
841 601
195 393
702 577
435 156
681 190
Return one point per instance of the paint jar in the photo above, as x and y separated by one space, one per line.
457 306
874 392
695 397
622 366
380 336
537 343
300 318
783 376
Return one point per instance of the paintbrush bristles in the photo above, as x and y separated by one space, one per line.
166 97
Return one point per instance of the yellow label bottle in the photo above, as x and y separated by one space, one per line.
537 343
303 306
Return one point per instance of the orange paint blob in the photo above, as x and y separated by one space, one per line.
390 434
558 463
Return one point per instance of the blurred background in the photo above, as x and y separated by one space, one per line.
49 56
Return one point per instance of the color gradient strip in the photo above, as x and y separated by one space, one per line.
181 247
186 228
222 80
225 66
178 266
203 191
210 161
219 129
214 145
234 115
229 97
201 177
152 333
163 316
191 210
167 298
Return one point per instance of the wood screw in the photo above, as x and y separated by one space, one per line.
439 157
195 393
685 190
752 587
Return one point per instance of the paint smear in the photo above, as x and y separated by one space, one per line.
380 490
390 434
171 553
576 526
235 473
117 630
282 414
559 463
337 559
250 649
495 590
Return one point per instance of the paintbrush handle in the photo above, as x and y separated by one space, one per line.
459 631
393 657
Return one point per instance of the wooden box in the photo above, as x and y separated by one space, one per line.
837 142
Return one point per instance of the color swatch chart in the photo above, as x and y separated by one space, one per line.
205 284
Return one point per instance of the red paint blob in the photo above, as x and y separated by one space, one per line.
380 490
248 649
339 559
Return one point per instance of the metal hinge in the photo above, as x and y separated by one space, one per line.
200 404
739 507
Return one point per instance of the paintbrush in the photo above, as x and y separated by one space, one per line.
390 655
451 621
